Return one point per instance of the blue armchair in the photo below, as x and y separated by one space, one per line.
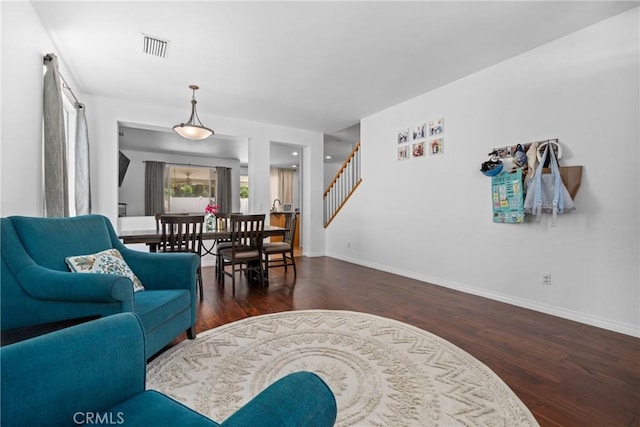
37 286
94 373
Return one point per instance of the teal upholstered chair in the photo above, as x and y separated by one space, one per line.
94 373
37 286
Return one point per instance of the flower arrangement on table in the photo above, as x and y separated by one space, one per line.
211 209
210 216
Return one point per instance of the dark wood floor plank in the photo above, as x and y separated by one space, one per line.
567 373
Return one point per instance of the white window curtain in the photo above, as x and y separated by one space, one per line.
282 185
82 172
56 194
285 185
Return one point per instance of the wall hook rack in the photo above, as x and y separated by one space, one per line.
507 151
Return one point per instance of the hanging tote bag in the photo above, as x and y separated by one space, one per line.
546 192
571 178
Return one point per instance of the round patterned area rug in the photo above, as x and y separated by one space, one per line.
382 372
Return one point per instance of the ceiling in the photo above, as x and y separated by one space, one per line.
313 65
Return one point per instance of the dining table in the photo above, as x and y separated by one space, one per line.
153 237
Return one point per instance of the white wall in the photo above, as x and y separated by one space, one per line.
24 43
430 218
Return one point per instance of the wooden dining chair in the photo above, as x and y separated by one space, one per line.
280 254
153 247
183 233
245 253
224 223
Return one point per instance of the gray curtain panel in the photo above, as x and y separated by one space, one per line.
153 188
56 193
82 180
223 189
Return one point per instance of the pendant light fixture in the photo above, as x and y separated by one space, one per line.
192 129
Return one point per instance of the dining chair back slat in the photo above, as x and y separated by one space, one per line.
160 215
224 221
246 232
182 233
290 225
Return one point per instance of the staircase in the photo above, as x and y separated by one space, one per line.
343 185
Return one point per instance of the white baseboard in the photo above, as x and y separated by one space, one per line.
313 254
564 313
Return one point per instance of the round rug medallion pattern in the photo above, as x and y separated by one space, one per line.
383 372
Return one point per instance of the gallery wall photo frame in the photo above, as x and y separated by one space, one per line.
418 149
419 132
403 136
436 127
436 146
403 152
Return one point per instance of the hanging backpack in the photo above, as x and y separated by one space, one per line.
546 192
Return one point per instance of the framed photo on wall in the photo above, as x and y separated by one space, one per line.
436 127
436 146
403 152
403 136
419 132
418 149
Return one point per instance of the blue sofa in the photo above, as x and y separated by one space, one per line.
37 286
94 373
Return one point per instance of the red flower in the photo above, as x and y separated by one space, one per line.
211 209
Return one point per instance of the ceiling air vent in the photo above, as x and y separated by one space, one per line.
154 46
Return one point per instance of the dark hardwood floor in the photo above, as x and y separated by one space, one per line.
567 373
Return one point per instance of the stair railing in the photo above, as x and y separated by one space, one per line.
343 185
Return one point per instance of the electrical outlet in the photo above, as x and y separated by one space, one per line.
545 279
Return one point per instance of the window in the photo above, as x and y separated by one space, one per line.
244 194
189 188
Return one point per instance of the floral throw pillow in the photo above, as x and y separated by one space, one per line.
105 262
